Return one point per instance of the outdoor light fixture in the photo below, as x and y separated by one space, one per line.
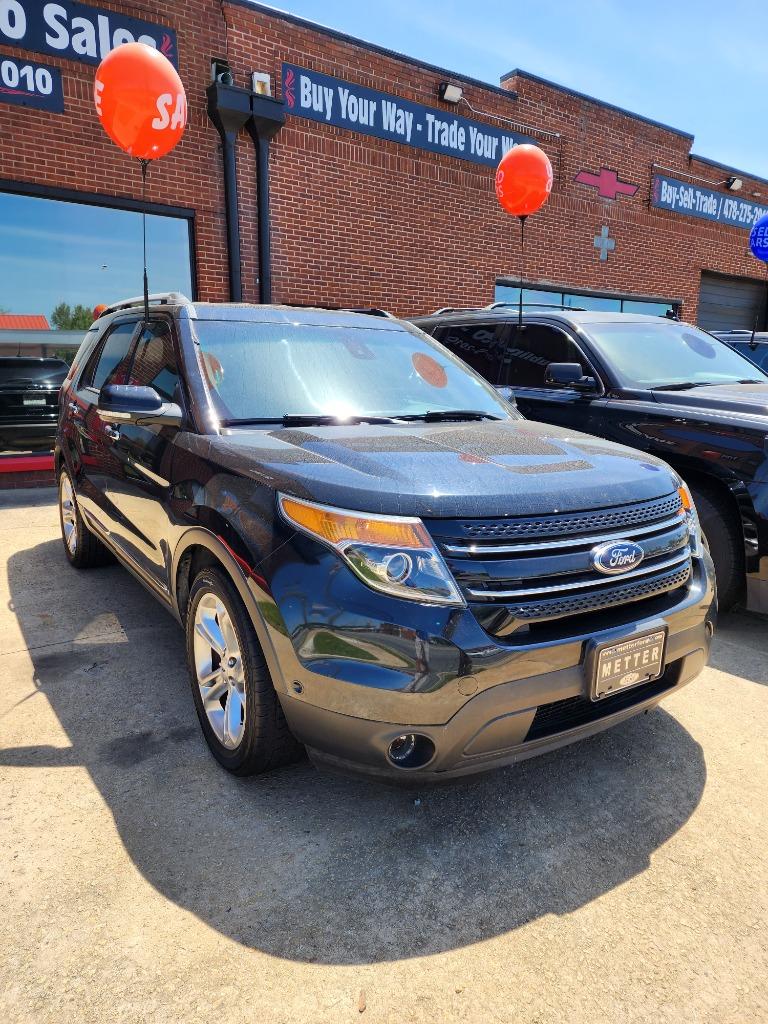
221 72
450 93
734 184
261 83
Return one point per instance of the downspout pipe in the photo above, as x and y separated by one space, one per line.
229 108
266 120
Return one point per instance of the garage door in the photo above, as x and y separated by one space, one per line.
730 303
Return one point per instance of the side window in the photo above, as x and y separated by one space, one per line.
531 349
154 361
758 355
109 363
480 345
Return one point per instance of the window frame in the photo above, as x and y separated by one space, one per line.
599 392
175 345
498 326
559 291
138 329
65 195
92 361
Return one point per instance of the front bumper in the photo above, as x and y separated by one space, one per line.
497 703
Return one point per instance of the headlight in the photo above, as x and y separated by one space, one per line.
394 554
691 516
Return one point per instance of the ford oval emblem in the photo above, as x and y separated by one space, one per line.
616 557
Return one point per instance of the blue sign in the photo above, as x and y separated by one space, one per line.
77 31
695 201
758 239
345 105
30 85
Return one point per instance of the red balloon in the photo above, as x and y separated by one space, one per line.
140 100
523 180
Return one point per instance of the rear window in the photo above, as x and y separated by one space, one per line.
25 370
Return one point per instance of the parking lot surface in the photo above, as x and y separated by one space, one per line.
621 879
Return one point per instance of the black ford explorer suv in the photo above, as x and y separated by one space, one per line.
371 552
659 385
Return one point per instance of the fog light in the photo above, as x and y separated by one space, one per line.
402 748
411 750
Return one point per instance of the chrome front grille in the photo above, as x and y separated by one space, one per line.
540 567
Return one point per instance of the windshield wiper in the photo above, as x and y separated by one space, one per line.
321 420
685 385
439 415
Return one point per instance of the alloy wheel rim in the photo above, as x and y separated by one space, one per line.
68 513
219 670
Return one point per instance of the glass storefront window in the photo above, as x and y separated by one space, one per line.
57 256
608 304
594 302
58 260
651 308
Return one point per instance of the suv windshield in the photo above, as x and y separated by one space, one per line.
266 371
652 355
23 370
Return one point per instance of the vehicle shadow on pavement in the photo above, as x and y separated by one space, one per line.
318 868
742 640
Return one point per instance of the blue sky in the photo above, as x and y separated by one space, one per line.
700 67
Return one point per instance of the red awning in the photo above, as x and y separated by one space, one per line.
24 322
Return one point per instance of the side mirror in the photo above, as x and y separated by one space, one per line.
569 375
507 394
130 403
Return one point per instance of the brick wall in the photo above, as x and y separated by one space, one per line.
360 221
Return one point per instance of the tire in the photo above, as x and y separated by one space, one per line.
239 713
83 548
724 540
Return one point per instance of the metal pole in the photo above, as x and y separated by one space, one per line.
265 245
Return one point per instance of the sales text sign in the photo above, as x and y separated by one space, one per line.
385 116
695 201
77 31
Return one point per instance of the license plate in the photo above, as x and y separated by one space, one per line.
32 401
628 663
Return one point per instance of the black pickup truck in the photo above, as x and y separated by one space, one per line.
659 385
29 402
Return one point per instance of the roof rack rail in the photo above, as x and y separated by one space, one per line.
454 309
536 305
367 310
157 299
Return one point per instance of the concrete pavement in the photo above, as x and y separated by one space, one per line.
623 879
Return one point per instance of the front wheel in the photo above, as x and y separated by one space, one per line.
726 546
236 703
83 548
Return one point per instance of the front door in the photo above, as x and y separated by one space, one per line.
88 438
139 486
528 352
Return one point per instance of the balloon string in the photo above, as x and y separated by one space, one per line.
144 166
522 273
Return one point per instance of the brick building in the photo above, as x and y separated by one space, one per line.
373 199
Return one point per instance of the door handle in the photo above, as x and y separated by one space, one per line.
113 433
73 406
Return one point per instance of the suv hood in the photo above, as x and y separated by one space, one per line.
442 470
740 398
